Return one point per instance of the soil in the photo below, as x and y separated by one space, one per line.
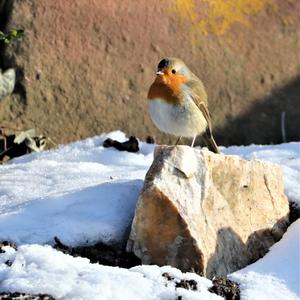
7 243
225 288
23 296
109 255
222 286
294 212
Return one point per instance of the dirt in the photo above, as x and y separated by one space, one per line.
24 296
84 67
7 243
187 284
222 286
294 212
109 255
225 288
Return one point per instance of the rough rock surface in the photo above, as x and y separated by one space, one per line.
84 67
7 82
207 212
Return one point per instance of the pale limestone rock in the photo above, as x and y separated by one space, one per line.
207 212
7 82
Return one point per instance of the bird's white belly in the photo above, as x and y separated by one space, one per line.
180 120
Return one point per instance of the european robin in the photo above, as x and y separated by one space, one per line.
177 103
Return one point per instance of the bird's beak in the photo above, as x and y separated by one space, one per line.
160 73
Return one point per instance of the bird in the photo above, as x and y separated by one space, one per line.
177 103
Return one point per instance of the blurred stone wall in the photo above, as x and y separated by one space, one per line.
85 66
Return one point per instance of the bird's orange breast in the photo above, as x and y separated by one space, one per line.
167 87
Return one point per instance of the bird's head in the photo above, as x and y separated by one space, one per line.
171 75
171 70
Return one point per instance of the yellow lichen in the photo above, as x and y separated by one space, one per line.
288 20
219 15
185 9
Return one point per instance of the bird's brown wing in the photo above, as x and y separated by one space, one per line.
198 91
207 135
200 99
206 115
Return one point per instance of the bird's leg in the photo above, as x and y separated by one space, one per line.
178 141
193 142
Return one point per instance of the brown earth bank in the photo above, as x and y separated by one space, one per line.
84 67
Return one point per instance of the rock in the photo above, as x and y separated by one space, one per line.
205 212
7 82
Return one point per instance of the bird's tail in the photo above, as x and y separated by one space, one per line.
210 142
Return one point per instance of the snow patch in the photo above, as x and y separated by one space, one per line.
37 269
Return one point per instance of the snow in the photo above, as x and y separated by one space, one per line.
37 268
71 192
84 193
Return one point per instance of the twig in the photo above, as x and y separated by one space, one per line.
283 126
51 141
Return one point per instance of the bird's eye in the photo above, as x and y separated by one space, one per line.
173 71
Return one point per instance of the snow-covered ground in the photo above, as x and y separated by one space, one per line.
38 268
80 192
85 193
